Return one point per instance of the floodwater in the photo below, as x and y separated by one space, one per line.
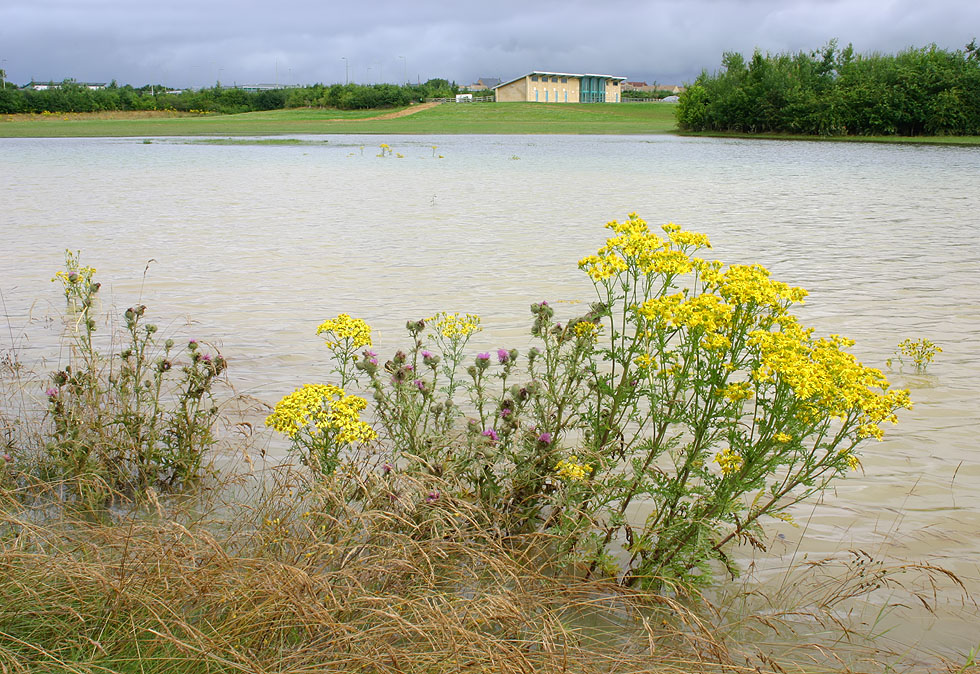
253 246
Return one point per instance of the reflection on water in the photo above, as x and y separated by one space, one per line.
258 244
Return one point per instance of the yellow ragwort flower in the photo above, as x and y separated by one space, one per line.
323 409
355 331
571 470
729 461
454 326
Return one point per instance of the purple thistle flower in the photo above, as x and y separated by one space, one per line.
419 384
483 356
51 392
503 355
426 354
505 412
206 358
433 496
545 438
490 433
368 353
386 468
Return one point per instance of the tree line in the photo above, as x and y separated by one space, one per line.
69 96
833 91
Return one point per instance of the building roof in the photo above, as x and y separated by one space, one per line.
551 74
489 82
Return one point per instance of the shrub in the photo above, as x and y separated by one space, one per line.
131 419
688 389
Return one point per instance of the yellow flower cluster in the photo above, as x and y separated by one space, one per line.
738 391
822 373
634 244
454 326
750 284
714 341
681 238
729 461
586 330
782 438
921 351
646 362
344 328
705 312
852 461
326 408
75 276
573 471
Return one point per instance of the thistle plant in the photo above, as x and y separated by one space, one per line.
132 419
688 391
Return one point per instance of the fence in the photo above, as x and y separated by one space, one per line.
475 99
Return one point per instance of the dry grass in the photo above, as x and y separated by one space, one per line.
290 579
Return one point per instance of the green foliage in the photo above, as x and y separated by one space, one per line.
130 420
70 96
832 91
687 390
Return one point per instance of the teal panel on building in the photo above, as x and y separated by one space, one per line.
593 90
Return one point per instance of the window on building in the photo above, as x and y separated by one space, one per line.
554 79
564 80
534 78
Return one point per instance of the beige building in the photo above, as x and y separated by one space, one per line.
547 87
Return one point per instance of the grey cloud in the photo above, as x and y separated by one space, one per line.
181 42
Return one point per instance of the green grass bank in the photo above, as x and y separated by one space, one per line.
492 118
482 118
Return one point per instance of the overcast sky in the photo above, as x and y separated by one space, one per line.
197 42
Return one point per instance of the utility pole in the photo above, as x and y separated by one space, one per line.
346 69
3 73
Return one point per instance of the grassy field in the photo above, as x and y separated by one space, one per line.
489 118
516 118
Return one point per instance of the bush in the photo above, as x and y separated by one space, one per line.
122 422
833 92
688 389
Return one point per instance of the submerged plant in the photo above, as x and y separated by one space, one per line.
920 351
688 389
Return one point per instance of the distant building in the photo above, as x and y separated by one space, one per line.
643 86
42 86
546 87
483 84
260 87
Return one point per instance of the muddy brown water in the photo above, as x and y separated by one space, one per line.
253 246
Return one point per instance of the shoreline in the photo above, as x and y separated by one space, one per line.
626 119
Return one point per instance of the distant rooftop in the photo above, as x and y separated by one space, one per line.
548 73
